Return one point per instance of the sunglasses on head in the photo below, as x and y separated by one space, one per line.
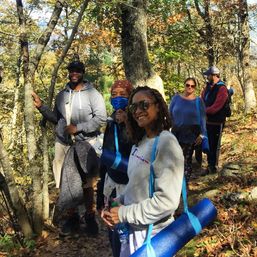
142 105
189 85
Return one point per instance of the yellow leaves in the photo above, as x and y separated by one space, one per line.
44 234
254 224
175 18
223 215
23 181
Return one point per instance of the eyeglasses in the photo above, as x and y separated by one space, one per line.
142 105
189 85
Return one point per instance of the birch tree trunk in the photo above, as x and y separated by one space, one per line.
17 106
137 66
29 69
45 192
244 58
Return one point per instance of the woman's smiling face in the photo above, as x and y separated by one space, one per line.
145 111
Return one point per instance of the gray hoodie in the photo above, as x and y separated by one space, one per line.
87 112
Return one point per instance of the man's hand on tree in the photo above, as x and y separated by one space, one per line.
37 100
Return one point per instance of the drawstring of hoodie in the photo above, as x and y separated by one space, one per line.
71 99
79 101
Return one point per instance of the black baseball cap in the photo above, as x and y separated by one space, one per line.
76 65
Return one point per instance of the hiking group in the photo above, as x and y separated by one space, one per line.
147 149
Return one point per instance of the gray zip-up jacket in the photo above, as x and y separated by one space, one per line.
86 109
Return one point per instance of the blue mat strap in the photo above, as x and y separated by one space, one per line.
118 155
200 121
149 248
116 161
192 218
198 110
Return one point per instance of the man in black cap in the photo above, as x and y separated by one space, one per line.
215 96
79 112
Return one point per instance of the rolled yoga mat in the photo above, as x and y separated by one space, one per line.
205 144
172 238
114 160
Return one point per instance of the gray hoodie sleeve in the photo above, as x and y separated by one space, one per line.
169 171
47 113
98 112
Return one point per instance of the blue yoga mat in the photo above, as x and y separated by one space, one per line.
172 238
114 160
205 145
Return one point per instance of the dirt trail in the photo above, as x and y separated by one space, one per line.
51 245
239 145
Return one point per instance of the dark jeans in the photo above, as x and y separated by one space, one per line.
214 135
115 242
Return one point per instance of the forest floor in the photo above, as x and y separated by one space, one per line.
232 190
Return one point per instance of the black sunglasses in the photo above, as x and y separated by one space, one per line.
142 105
189 85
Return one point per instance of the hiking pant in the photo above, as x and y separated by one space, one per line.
214 136
59 155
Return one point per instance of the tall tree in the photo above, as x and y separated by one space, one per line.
29 69
138 68
206 32
244 57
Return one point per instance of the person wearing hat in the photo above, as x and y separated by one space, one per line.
113 180
78 114
215 96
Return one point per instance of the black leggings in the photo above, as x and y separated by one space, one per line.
188 150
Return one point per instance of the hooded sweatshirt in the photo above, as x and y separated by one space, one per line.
86 108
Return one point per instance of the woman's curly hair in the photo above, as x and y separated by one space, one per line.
162 122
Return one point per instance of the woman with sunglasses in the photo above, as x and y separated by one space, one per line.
148 117
187 113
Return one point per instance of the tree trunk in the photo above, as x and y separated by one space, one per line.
207 31
137 66
17 203
244 58
29 68
17 106
45 193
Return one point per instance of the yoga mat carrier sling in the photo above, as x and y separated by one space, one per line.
172 238
205 140
112 159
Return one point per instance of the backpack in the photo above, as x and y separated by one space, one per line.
227 105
